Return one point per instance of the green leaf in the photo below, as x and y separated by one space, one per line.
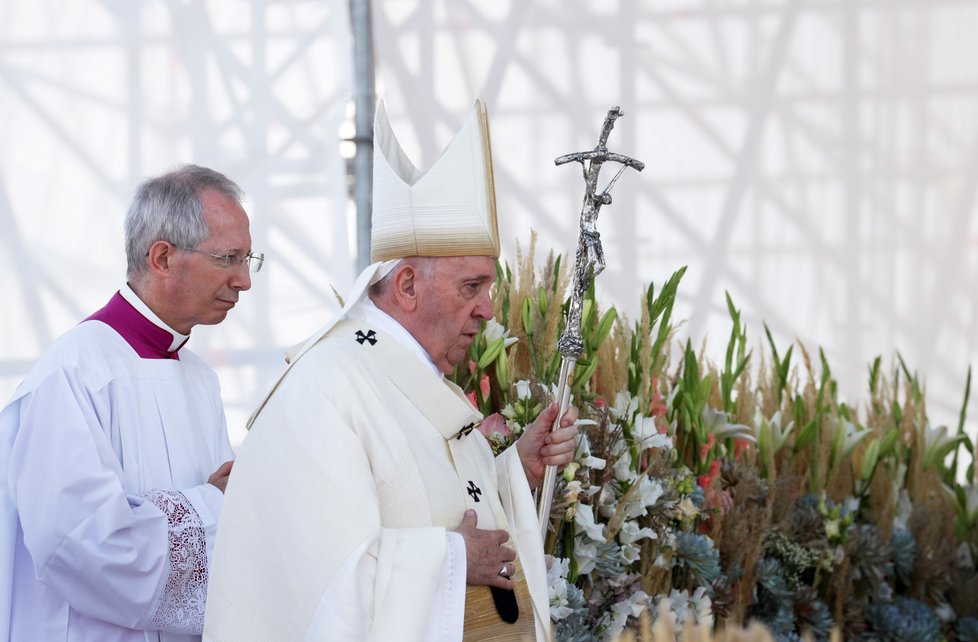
587 313
604 327
889 442
526 314
556 274
502 371
870 457
583 376
491 353
961 417
805 436
874 374
897 413
542 301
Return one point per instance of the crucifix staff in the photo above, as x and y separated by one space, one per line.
588 264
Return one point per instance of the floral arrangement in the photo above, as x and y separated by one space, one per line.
719 495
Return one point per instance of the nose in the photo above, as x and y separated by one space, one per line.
241 278
483 309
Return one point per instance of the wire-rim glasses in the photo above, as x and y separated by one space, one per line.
254 260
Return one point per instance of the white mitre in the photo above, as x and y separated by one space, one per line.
449 210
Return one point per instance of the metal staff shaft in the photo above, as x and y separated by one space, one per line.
588 264
550 474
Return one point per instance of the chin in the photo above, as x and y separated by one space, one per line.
214 320
447 366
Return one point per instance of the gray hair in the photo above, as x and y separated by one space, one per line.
425 265
168 208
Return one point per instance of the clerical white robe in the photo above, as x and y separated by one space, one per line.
106 519
335 519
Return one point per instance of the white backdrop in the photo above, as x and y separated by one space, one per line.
818 159
94 96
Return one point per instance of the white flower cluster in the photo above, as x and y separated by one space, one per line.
557 580
680 607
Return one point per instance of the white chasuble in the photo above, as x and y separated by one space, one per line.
106 519
336 519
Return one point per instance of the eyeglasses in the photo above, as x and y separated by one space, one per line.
254 260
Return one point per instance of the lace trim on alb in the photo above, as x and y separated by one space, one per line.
181 608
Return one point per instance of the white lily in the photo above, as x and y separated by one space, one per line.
937 445
648 494
646 434
621 611
557 581
630 553
584 450
968 511
845 439
623 468
625 406
586 555
584 519
715 421
771 435
495 331
631 533
702 606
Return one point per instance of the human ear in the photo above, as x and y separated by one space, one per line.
158 258
405 288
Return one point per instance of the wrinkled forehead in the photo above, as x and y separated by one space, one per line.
466 267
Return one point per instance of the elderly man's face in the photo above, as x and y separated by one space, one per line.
451 305
203 289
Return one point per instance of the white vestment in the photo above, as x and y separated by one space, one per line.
336 519
106 519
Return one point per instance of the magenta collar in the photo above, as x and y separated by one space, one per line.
146 338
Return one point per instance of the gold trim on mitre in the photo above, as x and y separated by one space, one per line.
449 210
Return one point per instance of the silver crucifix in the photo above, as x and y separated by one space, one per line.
588 264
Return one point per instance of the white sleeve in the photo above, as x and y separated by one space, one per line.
448 615
116 558
347 610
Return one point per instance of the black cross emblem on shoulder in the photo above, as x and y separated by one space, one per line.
465 430
371 336
474 490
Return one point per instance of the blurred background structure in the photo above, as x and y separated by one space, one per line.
817 159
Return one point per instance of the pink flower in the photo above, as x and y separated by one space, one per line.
471 398
484 386
714 498
707 480
705 448
658 407
740 445
494 424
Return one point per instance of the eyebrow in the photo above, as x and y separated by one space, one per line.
481 278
